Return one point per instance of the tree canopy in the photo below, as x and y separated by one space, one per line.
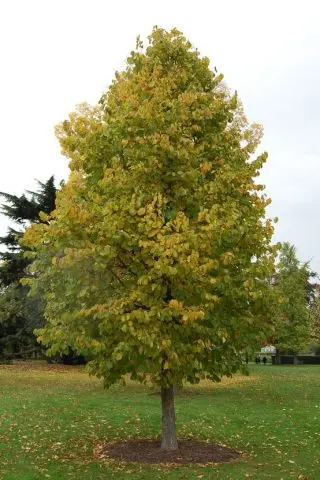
157 258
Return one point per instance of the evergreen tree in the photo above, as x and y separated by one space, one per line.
19 314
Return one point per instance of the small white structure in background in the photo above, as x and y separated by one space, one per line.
268 349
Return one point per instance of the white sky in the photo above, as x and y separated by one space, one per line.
55 54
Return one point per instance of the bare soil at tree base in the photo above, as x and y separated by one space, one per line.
149 451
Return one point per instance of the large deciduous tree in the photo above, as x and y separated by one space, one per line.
155 262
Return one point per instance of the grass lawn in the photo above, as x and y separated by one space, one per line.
52 418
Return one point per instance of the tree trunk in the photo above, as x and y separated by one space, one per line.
169 439
278 358
295 359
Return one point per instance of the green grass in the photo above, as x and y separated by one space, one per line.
52 418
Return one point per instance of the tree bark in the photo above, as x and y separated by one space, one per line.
295 359
169 439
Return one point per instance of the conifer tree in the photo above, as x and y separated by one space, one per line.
19 314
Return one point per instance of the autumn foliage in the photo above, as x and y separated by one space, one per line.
155 262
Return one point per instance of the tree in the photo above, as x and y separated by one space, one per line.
156 258
293 288
315 317
19 314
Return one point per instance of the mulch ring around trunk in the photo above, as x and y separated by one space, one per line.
148 451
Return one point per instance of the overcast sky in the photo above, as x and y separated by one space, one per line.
55 54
